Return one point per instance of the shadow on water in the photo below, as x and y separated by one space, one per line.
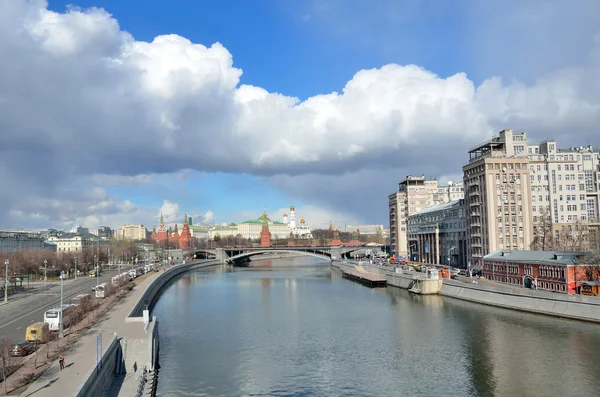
299 328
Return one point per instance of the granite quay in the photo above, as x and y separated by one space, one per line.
574 307
116 357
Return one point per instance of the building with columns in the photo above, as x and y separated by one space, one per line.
414 194
438 234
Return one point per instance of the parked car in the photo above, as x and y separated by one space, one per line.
24 348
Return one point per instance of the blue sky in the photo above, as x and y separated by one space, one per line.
286 47
176 123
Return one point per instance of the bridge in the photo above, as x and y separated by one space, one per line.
238 255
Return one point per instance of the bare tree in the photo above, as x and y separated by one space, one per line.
543 238
7 361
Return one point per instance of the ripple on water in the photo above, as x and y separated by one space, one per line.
303 332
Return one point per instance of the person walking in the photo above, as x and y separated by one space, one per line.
61 362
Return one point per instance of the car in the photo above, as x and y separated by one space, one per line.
24 348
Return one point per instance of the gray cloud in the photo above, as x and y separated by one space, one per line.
81 98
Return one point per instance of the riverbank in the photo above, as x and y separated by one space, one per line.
575 307
112 346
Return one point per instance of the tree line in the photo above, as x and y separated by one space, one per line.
30 261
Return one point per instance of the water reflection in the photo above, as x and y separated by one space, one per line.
297 328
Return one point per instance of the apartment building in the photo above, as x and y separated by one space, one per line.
102 232
498 196
131 232
565 190
414 194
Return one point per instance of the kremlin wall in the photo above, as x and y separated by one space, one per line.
263 228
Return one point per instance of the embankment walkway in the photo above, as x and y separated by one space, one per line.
80 359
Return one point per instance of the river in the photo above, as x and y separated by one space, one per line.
294 327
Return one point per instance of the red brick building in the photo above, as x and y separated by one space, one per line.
182 237
555 271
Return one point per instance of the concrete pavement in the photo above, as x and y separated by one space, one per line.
28 307
80 359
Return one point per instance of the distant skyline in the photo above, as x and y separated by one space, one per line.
112 111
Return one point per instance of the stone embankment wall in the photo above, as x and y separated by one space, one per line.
101 377
539 302
154 289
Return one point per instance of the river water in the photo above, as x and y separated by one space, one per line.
294 327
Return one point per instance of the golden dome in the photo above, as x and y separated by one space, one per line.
285 215
302 221
292 208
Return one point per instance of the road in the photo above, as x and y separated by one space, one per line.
18 314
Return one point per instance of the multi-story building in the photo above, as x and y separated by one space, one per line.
76 242
565 189
222 231
102 232
131 232
414 194
438 234
252 228
498 196
11 241
369 230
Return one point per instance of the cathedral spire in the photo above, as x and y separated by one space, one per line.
161 218
185 219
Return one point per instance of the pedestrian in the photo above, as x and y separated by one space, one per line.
61 362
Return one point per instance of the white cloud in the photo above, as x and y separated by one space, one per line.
81 97
170 213
208 218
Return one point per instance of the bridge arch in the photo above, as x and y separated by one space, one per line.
317 254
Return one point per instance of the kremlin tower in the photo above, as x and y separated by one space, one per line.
265 234
185 236
182 237
160 234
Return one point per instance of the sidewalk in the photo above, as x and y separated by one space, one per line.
80 358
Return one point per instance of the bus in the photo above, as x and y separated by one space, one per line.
119 279
101 290
52 317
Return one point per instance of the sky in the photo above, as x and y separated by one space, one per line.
112 112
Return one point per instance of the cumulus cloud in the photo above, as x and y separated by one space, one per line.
79 96
208 218
170 213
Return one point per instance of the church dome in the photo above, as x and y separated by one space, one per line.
302 222
292 208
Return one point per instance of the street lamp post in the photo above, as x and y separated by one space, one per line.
62 280
6 262
76 267
45 274
97 267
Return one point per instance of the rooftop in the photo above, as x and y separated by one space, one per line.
440 207
536 257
